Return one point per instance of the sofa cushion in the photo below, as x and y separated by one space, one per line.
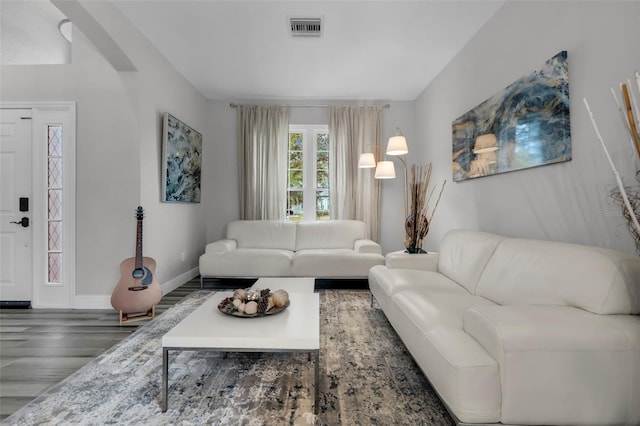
464 255
532 272
334 234
335 263
429 308
247 262
269 234
567 348
390 281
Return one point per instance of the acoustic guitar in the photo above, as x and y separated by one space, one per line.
138 291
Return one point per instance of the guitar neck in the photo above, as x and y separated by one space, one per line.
139 245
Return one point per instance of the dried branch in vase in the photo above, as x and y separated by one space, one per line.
627 197
419 219
633 194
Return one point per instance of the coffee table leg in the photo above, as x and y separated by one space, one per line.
165 378
316 403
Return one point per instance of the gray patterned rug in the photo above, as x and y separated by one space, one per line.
366 378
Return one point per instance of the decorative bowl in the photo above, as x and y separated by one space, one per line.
253 303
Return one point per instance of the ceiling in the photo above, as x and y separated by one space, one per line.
242 50
369 50
29 34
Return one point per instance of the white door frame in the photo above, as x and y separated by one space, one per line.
47 295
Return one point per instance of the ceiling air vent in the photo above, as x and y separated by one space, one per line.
305 27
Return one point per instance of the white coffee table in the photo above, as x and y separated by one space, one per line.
296 329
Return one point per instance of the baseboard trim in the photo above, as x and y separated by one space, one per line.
171 285
98 301
15 304
102 301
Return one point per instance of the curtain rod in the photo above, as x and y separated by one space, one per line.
233 105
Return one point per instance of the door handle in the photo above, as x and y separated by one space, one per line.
24 222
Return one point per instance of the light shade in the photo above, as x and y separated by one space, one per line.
367 161
485 143
397 145
385 170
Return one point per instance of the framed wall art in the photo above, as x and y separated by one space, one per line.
181 161
525 125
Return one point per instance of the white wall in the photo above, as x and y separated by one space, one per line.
221 160
174 232
118 153
566 201
220 171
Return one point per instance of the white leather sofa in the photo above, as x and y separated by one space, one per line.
521 331
322 249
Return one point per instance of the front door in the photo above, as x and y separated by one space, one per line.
16 199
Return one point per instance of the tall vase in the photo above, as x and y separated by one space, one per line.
415 231
415 250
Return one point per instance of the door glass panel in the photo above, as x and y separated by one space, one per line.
54 211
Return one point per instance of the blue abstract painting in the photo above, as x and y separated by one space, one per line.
525 125
182 154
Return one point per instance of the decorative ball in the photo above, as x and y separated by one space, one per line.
279 298
239 294
250 308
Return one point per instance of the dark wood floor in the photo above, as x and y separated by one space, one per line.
40 347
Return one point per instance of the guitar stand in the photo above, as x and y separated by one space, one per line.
137 316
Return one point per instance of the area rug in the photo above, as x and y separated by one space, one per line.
366 378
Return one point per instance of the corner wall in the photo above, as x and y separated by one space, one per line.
567 201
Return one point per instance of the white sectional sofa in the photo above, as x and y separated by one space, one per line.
521 331
322 249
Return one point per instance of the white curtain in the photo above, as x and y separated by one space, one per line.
263 133
355 194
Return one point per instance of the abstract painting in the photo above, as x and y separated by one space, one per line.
525 125
182 161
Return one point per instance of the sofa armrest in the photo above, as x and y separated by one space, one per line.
504 329
419 261
569 347
221 246
367 246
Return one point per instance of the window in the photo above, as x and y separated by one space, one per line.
308 173
54 211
